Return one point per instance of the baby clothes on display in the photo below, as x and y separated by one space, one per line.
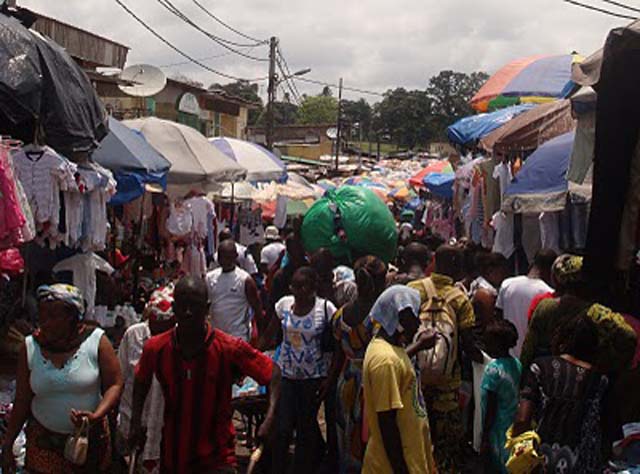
201 210
43 174
84 267
12 218
180 221
502 223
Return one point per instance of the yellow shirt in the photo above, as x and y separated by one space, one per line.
390 384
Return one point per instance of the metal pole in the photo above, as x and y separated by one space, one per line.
271 92
339 127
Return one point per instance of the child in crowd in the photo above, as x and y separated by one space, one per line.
500 387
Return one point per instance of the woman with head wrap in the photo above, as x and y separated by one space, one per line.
353 333
68 374
399 437
158 317
573 296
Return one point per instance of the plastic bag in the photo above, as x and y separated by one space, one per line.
351 221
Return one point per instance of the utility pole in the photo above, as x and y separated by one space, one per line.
271 91
339 127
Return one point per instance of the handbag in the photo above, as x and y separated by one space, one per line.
77 445
524 457
327 341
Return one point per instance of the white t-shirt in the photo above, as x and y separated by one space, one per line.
503 242
514 299
245 260
271 253
129 353
301 355
230 311
502 173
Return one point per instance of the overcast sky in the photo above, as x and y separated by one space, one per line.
373 44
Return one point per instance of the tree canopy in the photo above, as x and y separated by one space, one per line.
318 109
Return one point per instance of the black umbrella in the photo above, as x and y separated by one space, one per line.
42 86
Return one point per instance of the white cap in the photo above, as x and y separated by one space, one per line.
272 233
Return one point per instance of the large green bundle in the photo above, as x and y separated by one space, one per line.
351 221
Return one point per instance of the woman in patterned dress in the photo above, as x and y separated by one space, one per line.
353 334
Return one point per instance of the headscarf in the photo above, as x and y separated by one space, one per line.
68 294
160 305
395 299
567 269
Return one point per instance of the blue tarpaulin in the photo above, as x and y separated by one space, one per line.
132 160
131 185
470 129
541 184
440 184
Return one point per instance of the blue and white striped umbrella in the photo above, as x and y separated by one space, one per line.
261 164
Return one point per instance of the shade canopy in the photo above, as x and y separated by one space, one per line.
434 166
194 162
260 163
529 130
534 79
440 184
127 149
470 129
541 184
41 86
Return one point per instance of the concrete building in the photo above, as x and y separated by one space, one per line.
303 141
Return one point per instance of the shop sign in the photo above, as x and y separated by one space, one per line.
189 104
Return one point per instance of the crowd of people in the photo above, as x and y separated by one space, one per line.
387 352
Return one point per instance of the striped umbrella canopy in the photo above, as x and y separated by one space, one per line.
435 166
261 164
534 79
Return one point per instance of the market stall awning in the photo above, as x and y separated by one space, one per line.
440 184
470 129
435 166
541 184
40 84
194 162
261 164
530 129
534 79
127 149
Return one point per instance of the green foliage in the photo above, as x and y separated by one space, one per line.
320 109
405 116
450 93
284 113
358 112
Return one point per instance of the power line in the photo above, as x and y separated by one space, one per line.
622 5
279 50
290 84
169 6
334 86
179 51
208 12
208 58
600 10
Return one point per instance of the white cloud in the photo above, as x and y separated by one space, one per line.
373 44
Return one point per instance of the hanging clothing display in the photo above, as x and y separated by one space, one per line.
16 220
84 267
203 213
250 224
503 244
550 231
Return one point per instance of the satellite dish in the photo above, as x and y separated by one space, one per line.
147 80
332 133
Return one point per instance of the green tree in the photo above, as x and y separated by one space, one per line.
284 113
358 112
405 116
319 109
245 91
450 93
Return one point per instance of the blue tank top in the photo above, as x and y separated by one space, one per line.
74 386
